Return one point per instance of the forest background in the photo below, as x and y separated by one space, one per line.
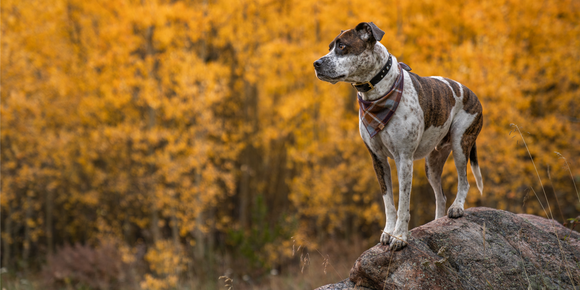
162 144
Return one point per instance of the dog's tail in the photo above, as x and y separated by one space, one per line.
475 168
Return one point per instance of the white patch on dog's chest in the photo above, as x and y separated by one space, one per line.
403 132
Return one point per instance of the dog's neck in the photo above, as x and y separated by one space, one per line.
382 87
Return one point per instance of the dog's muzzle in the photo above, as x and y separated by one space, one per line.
323 71
319 67
318 64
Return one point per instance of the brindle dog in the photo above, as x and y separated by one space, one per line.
435 116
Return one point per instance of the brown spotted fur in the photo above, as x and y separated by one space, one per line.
352 42
436 99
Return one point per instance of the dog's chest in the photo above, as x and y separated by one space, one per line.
402 133
405 134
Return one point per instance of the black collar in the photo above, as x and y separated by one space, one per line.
367 86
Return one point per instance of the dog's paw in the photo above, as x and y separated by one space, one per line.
455 212
397 243
385 238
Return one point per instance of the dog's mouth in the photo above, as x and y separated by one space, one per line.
327 78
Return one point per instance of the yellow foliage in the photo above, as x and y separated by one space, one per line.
167 261
155 119
166 258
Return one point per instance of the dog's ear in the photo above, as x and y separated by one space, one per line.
368 31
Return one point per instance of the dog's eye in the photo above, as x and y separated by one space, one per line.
341 46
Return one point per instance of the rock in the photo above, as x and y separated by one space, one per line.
484 249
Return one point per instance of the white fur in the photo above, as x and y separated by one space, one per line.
461 122
478 180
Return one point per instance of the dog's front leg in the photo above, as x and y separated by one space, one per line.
390 211
383 172
405 174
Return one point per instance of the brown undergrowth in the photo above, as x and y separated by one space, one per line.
307 269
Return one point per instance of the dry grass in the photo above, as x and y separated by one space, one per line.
551 215
308 269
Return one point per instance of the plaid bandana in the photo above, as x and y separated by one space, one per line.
376 114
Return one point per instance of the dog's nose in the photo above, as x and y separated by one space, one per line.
318 63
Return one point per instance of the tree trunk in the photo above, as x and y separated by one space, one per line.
151 115
244 191
199 241
174 227
49 234
249 159
27 217
7 240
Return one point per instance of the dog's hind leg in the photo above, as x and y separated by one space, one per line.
434 167
383 172
463 136
456 209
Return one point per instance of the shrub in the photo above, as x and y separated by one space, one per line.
82 266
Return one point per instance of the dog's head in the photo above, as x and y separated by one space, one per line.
351 55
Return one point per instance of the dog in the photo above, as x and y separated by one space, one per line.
429 118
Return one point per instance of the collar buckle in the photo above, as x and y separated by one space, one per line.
368 83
